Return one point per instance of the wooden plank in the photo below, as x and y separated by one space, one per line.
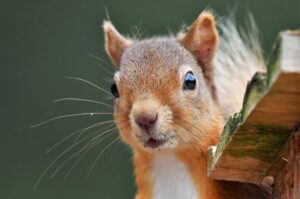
287 181
280 108
253 139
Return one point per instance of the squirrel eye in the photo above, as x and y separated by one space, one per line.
189 81
114 90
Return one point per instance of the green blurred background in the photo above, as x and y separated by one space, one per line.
43 41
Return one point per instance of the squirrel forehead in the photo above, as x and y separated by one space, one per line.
155 55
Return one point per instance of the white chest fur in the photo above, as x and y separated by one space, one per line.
171 179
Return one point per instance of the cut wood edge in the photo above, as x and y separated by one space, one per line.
290 59
211 153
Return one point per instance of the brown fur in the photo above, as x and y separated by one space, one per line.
115 43
150 78
202 41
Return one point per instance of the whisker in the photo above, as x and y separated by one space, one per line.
100 154
90 83
56 159
98 136
83 100
105 70
62 140
69 115
82 149
80 152
91 145
77 138
108 126
102 67
76 132
109 98
83 153
98 58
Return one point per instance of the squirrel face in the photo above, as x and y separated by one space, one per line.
164 99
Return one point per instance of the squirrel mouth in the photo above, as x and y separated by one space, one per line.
158 140
155 143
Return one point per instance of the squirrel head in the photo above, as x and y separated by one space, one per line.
164 87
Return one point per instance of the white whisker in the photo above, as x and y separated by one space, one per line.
80 152
100 154
105 70
108 126
76 132
56 159
98 58
102 128
69 115
102 67
79 158
90 83
92 141
83 100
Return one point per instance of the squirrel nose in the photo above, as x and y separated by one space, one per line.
146 120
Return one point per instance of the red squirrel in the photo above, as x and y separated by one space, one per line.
173 96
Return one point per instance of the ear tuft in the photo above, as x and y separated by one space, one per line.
207 19
115 43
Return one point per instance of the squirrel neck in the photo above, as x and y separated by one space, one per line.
176 174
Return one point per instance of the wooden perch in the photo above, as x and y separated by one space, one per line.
253 142
287 180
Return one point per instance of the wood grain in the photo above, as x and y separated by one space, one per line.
254 141
287 181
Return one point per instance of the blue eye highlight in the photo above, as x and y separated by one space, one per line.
189 81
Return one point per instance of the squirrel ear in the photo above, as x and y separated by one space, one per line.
202 40
115 43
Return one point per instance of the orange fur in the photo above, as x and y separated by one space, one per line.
150 80
186 115
196 160
143 173
202 41
115 43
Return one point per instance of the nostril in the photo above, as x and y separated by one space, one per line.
146 121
